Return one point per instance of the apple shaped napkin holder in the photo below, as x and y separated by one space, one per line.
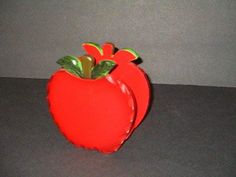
97 100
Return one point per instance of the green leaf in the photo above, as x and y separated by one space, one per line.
102 68
72 65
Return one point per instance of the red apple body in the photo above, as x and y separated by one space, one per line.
96 114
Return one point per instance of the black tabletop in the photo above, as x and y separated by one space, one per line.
189 131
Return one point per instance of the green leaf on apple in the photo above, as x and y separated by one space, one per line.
102 68
72 65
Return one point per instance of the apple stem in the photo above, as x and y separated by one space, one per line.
87 65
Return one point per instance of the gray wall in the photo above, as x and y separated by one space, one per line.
180 41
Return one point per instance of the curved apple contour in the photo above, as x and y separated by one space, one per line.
126 71
95 114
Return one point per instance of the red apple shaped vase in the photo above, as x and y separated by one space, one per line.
94 102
